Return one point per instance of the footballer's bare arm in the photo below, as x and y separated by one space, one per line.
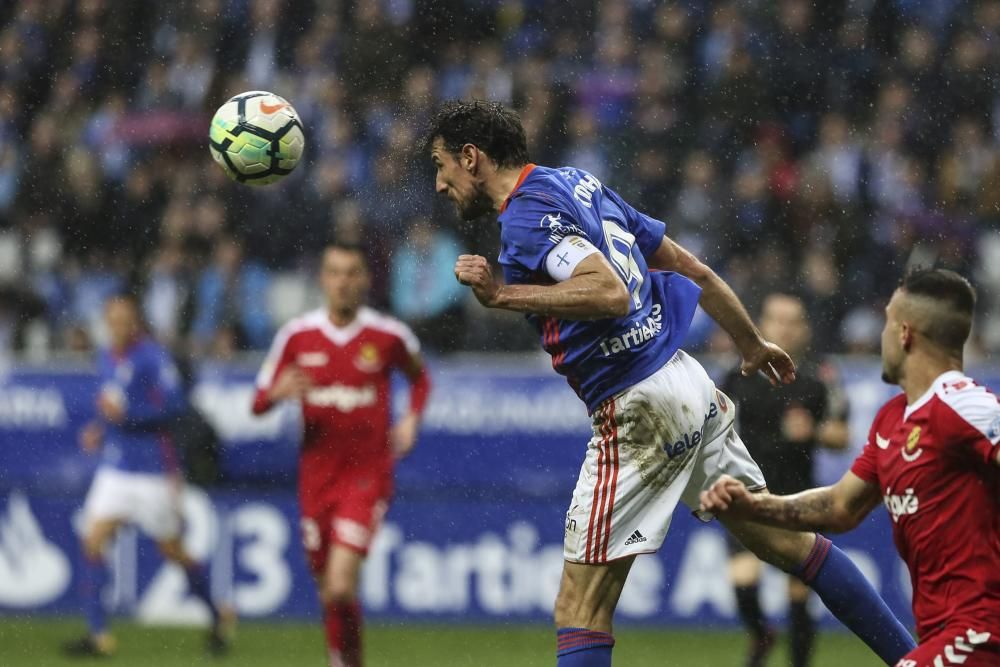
723 306
838 508
593 292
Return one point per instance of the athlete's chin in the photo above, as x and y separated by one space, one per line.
889 376
473 208
469 213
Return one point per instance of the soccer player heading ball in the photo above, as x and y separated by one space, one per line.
577 261
931 458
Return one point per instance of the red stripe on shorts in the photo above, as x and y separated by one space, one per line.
597 487
614 480
605 468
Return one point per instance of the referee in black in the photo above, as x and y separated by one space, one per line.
782 429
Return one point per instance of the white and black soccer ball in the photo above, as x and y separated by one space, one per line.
256 137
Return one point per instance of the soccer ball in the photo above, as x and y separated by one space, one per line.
256 138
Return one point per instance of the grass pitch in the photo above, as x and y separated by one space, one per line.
35 642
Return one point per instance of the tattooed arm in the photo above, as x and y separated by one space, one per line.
837 509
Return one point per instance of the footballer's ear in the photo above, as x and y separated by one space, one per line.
469 157
906 334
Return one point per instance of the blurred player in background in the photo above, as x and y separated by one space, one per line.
782 430
931 458
338 361
139 480
574 258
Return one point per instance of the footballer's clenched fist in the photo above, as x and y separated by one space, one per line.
476 272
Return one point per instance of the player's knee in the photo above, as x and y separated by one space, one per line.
339 591
744 569
92 548
173 551
797 591
93 544
784 549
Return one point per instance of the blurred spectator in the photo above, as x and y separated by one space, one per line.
229 295
825 146
838 158
167 295
696 219
424 290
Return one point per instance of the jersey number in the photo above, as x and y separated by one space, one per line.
620 244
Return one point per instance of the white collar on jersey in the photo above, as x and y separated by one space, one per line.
947 376
341 336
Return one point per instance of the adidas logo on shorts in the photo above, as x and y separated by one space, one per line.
635 538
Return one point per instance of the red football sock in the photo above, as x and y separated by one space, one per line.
343 633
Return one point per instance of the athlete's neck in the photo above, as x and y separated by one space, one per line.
502 185
920 371
122 347
342 318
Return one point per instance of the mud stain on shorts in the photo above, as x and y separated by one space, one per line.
646 432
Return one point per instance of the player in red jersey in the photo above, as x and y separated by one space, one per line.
932 458
338 362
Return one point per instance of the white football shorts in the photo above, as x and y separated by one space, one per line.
661 441
148 500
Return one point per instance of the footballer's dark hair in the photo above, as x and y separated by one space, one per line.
127 297
130 298
955 300
789 293
358 249
489 126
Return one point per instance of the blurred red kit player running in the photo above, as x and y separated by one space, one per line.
338 362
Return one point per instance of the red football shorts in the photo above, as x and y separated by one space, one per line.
348 513
965 643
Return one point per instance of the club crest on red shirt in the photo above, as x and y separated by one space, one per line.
368 359
911 443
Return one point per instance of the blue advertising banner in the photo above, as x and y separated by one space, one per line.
462 560
474 533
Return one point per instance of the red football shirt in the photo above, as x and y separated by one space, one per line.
346 413
934 463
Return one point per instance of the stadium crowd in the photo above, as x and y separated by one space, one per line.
823 146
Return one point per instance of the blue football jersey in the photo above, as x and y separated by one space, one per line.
599 358
145 380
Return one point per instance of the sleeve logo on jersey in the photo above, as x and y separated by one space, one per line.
956 386
909 455
558 229
900 505
635 336
342 397
993 432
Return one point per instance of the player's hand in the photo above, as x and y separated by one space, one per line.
293 382
91 437
404 435
728 496
476 272
111 407
770 360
